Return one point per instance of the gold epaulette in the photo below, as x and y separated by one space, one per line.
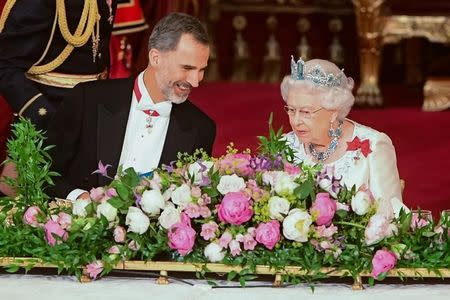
65 80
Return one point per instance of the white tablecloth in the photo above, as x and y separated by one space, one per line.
42 287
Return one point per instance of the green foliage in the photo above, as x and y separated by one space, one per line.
27 151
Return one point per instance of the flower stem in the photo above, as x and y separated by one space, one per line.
350 224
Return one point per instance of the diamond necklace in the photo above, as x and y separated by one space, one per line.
322 156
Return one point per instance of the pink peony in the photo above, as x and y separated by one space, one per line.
53 228
95 268
324 207
383 261
268 234
119 234
65 220
181 237
225 239
249 242
235 208
209 230
30 216
377 229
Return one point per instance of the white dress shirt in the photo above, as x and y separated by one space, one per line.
145 135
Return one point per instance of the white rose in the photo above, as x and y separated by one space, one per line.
107 210
169 216
152 202
285 185
230 183
361 203
278 207
213 252
296 225
79 207
195 170
136 220
181 196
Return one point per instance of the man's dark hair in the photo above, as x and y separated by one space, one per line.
167 32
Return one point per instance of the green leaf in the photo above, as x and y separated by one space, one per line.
116 202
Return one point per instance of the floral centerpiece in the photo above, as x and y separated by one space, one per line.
240 209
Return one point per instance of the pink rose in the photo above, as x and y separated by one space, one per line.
30 216
383 261
181 237
225 239
249 242
95 268
268 234
324 207
114 250
53 228
119 234
133 245
97 194
65 220
235 247
235 208
209 230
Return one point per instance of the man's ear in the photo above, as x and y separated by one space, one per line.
154 57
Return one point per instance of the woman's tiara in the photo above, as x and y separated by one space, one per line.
315 75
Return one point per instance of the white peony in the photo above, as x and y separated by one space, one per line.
361 203
107 210
169 216
195 170
285 185
136 220
152 202
278 208
296 225
230 183
213 252
79 207
181 196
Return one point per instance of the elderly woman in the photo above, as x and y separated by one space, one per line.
318 98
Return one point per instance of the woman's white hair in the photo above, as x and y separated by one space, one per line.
339 98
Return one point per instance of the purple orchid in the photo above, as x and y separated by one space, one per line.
102 169
169 168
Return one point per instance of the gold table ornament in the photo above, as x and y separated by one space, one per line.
164 267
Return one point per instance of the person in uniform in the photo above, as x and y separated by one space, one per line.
47 47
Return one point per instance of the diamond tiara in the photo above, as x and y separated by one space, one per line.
316 75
